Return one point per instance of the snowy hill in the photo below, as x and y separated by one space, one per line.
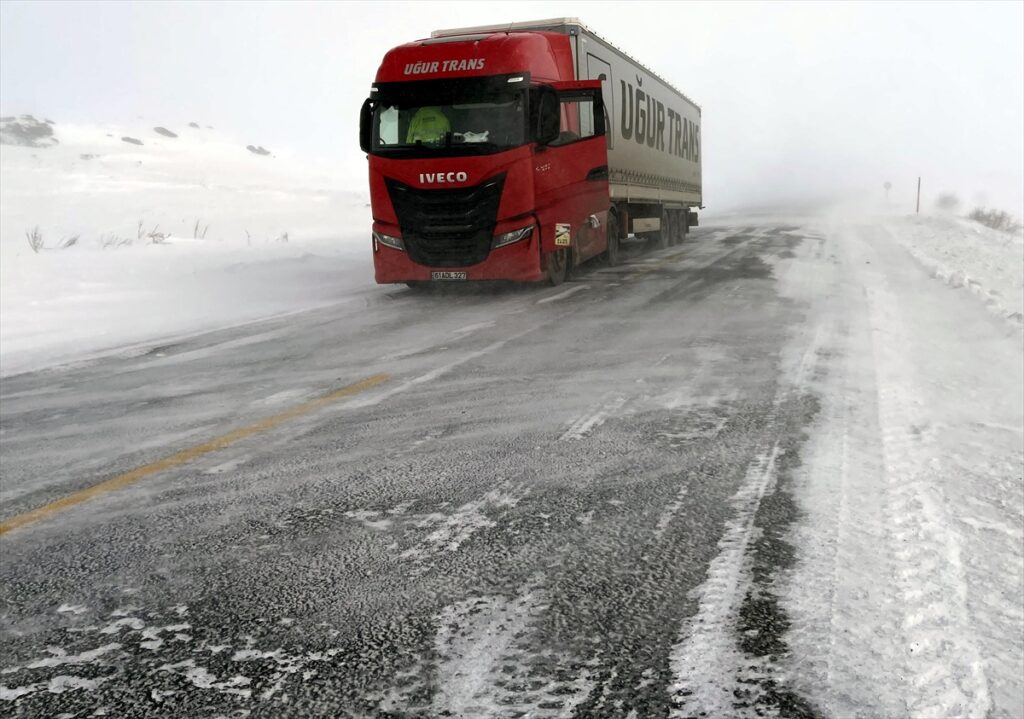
96 181
148 230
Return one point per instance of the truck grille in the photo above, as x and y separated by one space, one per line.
450 227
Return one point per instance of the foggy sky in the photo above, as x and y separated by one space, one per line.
800 101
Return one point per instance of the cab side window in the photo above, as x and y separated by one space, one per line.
388 127
581 118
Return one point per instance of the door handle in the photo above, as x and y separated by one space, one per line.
598 173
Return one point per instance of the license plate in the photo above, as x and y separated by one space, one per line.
447 275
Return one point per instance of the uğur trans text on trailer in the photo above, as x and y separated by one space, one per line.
515 152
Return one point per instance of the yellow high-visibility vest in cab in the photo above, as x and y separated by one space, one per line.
429 124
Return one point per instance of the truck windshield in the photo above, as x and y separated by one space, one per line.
464 116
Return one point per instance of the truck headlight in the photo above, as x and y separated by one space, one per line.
509 237
388 240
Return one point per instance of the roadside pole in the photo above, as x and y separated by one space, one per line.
917 211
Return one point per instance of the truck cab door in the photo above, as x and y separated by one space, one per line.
571 172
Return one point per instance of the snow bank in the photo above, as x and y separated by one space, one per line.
167 237
965 254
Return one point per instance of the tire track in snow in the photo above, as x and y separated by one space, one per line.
882 624
562 295
901 635
943 664
714 675
594 418
707 660
857 624
486 663
670 512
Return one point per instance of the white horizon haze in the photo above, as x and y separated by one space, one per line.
802 102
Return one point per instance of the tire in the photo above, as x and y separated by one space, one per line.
684 226
663 237
557 266
611 226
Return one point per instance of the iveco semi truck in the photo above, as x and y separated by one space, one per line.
516 152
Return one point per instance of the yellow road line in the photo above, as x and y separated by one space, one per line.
186 455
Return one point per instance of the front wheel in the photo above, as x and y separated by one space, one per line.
558 266
612 231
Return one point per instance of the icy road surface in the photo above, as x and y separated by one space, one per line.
776 470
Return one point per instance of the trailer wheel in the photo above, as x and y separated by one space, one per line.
678 226
663 237
611 228
558 266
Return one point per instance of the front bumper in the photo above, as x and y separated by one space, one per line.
518 262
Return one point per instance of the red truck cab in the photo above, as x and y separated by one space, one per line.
487 160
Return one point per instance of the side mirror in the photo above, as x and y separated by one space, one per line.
366 126
549 117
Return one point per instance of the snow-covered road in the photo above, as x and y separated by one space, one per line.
773 471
